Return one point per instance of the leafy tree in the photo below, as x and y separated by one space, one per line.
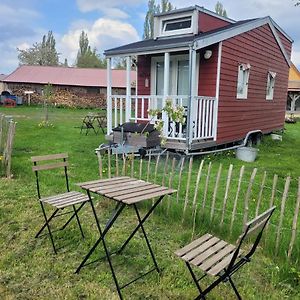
153 9
43 54
87 58
220 10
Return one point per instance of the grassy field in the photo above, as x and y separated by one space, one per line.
30 270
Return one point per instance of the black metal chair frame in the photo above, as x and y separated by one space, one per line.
114 216
37 168
237 260
87 123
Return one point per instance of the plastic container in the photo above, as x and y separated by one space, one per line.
247 154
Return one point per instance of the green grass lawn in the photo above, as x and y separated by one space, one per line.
30 270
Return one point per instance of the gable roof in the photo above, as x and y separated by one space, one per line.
155 45
2 76
200 40
89 77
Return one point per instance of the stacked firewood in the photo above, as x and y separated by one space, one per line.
64 97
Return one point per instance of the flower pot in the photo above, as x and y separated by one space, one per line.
247 154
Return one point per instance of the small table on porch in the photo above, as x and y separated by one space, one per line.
125 191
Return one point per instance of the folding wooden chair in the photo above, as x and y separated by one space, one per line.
220 259
59 201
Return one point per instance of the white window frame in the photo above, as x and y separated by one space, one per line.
172 21
174 59
271 77
161 21
243 81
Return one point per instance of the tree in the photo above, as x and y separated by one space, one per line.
87 58
43 54
153 9
220 10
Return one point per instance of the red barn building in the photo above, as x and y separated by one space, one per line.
231 76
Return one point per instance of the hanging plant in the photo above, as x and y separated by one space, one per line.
176 113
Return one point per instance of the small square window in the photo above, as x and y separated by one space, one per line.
270 85
243 79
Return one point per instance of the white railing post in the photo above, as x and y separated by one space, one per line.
166 91
128 89
108 97
193 97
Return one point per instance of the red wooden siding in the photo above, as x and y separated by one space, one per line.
208 73
238 116
144 73
286 43
207 22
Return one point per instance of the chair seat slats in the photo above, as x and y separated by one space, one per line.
193 245
209 254
66 199
201 248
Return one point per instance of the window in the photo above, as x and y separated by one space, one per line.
243 79
270 85
177 24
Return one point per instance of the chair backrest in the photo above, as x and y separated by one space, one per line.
49 162
251 228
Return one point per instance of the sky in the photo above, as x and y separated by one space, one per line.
112 23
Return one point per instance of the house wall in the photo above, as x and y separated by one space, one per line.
207 22
286 43
70 96
208 73
236 117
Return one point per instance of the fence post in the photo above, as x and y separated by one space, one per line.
170 181
148 167
206 186
275 179
284 197
108 163
215 193
1 132
294 227
100 163
197 185
117 165
236 197
260 193
248 193
141 168
179 179
165 169
9 146
226 192
187 187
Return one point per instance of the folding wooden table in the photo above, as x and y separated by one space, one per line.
125 191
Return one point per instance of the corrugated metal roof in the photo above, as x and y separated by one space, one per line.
91 77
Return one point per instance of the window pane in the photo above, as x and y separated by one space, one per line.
183 79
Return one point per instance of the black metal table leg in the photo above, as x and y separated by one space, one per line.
109 224
140 223
146 238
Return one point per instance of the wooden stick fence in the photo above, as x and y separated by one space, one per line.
7 133
223 198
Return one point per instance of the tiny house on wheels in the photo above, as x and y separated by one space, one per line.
230 76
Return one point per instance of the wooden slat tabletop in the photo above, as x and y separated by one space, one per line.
126 189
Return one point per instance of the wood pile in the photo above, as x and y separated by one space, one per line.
63 97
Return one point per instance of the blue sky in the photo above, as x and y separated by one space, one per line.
111 23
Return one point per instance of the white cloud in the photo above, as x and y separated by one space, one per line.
90 5
103 34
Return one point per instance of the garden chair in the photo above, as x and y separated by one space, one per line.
87 124
220 259
59 201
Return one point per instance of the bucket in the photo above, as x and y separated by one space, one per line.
247 154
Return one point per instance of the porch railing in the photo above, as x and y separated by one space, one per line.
202 122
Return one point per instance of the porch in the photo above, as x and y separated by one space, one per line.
199 127
175 76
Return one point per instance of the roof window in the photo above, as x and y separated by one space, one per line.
177 24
